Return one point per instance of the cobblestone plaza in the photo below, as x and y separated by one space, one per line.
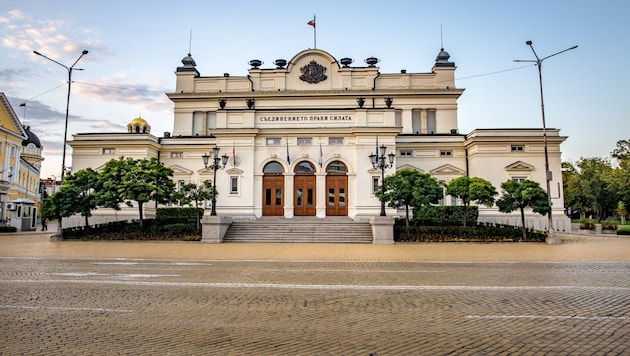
122 298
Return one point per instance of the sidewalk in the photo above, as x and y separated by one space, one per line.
575 248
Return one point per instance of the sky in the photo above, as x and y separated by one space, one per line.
135 47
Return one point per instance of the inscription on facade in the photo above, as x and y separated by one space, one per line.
304 118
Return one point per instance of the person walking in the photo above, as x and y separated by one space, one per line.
44 224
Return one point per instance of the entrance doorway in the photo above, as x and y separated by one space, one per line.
304 195
273 190
336 189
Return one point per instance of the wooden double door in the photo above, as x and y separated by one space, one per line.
273 195
336 195
305 195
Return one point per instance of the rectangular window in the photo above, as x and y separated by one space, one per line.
519 179
335 140
109 150
517 148
197 124
211 122
431 122
1 147
177 154
304 140
273 141
405 153
233 185
444 153
375 184
416 122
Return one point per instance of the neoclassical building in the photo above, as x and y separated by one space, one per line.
298 136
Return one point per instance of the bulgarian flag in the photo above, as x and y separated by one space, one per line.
321 155
312 22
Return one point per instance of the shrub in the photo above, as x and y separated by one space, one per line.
587 224
8 229
610 225
479 233
624 230
445 216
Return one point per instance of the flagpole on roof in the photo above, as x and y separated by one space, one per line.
313 23
314 32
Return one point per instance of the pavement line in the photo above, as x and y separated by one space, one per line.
561 317
65 308
318 286
347 270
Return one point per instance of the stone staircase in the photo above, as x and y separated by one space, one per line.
300 230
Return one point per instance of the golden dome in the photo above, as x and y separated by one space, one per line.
138 125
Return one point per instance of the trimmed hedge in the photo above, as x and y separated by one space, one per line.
8 229
625 230
445 216
123 230
478 233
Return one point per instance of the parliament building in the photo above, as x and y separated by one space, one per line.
298 137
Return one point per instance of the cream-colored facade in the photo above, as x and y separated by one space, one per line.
20 166
299 136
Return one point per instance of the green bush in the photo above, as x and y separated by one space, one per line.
8 229
124 230
610 225
478 233
587 224
624 230
178 215
445 216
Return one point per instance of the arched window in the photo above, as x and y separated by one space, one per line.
336 167
273 168
304 167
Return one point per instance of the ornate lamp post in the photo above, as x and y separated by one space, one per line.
217 163
551 237
379 161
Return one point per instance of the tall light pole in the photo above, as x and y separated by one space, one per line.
65 131
378 160
551 236
217 163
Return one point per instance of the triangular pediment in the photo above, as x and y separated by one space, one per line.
179 170
448 169
9 121
519 166
234 171
408 166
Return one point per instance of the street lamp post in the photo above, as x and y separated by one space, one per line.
217 163
65 131
378 160
551 236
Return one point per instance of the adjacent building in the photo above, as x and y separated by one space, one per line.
20 166
298 137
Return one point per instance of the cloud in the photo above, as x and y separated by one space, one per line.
146 96
21 33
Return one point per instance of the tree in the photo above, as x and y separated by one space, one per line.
192 193
597 180
142 180
410 188
521 195
576 193
621 175
472 190
80 187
